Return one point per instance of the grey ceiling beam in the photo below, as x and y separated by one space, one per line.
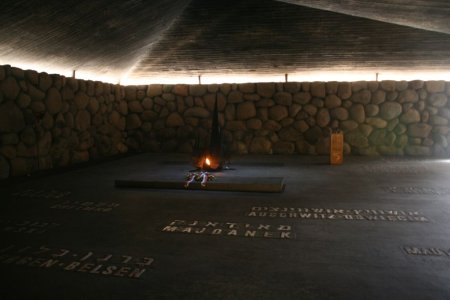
433 15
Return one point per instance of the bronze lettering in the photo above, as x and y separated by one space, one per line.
96 269
262 226
232 225
249 233
285 235
86 267
177 222
37 262
72 266
49 263
122 271
109 270
170 228
284 227
136 273
268 234
187 230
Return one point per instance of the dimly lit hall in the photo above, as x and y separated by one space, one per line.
253 149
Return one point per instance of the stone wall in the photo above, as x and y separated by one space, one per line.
49 121
378 118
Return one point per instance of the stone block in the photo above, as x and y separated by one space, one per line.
332 101
378 97
408 96
419 130
362 97
23 101
10 88
235 97
356 139
289 134
411 116
278 112
174 120
435 86
260 145
388 85
323 117
197 90
357 113
81 100
318 89
11 117
339 113
294 109
265 89
45 81
371 110
82 120
282 147
292 87
416 150
247 88
197 112
272 125
438 100
302 98
377 122
359 86
254 124
53 101
130 93
283 98
344 90
235 125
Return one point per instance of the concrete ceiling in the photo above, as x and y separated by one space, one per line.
431 15
137 39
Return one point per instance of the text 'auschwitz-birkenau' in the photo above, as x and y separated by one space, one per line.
336 214
76 261
89 206
231 229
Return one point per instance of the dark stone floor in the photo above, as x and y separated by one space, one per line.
73 235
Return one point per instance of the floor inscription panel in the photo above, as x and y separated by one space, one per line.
427 251
85 206
336 214
27 226
416 190
247 230
393 169
38 193
45 257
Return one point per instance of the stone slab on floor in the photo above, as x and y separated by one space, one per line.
230 184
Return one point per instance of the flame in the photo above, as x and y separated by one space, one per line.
207 161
